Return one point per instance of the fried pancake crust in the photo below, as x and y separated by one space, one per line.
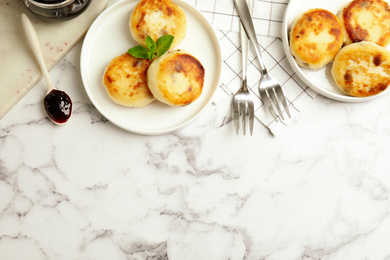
157 18
362 69
315 38
176 78
125 79
366 20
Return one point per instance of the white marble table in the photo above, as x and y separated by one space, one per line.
90 190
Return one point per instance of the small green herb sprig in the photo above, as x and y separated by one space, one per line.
152 48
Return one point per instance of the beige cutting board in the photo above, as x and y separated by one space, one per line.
19 71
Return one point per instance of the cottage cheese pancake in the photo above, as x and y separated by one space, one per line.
157 18
176 78
315 38
125 80
366 20
362 69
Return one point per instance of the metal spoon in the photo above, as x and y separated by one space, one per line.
58 105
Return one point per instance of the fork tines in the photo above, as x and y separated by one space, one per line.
245 110
272 98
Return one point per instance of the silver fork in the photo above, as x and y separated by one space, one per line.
270 90
242 101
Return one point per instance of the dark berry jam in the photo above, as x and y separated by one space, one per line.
58 106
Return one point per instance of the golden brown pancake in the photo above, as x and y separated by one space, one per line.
362 69
157 18
315 38
366 20
176 78
125 80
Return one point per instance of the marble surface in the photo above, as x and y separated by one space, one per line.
90 190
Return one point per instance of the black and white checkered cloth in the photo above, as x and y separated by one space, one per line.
267 16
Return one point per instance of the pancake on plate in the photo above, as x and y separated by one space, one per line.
362 69
157 18
125 79
315 38
176 78
366 20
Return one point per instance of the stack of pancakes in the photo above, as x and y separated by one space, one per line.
176 78
354 41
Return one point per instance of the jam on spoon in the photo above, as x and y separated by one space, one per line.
58 105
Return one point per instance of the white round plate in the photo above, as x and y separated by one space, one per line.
321 80
109 36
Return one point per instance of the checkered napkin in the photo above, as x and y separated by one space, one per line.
267 17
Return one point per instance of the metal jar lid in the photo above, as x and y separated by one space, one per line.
57 10
50 4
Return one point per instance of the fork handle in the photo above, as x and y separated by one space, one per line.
246 20
244 51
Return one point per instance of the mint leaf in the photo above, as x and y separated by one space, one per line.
153 48
151 55
140 52
150 43
163 44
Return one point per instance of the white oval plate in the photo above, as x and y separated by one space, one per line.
109 36
321 80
